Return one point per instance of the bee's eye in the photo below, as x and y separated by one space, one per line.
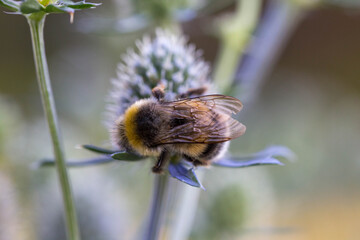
177 122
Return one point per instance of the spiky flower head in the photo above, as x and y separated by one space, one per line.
166 59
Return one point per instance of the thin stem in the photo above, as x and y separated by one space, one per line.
186 200
158 208
235 35
36 22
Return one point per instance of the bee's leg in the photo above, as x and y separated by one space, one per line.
162 160
188 158
193 92
159 92
196 162
200 163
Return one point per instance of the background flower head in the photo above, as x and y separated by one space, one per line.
166 59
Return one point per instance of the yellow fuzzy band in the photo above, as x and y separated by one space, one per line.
196 149
192 150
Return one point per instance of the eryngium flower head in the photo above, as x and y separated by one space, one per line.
167 59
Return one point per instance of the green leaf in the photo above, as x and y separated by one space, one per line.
83 5
51 8
97 149
82 163
124 156
12 5
31 6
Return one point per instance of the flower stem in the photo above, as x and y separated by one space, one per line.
236 33
36 22
158 208
185 200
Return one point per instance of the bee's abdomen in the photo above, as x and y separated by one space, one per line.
211 151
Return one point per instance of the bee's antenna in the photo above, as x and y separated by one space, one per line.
193 92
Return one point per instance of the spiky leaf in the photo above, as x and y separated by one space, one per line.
124 156
9 4
83 5
58 9
34 6
264 157
96 149
236 163
77 163
188 176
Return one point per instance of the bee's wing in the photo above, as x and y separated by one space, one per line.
205 119
221 103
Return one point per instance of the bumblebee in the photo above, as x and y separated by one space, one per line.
197 128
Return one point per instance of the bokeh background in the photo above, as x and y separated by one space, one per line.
306 96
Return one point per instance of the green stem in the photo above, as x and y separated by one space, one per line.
36 22
235 35
158 208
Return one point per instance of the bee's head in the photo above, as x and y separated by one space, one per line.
137 129
118 137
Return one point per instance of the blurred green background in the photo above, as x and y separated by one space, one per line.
308 99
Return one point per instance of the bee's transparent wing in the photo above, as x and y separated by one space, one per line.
221 103
205 119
